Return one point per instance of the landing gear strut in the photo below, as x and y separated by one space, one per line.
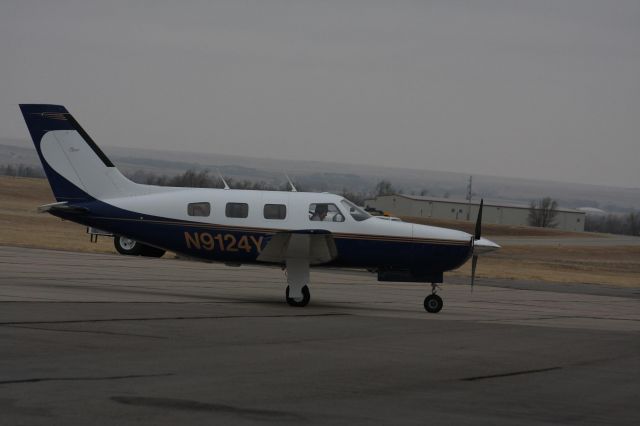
297 293
433 303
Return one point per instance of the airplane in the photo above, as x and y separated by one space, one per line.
291 229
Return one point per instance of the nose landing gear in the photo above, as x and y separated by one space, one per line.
433 303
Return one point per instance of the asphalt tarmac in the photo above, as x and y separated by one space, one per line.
107 339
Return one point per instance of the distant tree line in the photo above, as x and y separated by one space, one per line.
202 179
628 224
542 212
205 179
21 170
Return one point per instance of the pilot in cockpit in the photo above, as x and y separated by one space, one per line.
320 213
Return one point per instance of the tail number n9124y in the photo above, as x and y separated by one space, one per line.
222 242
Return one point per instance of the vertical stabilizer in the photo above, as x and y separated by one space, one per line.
76 167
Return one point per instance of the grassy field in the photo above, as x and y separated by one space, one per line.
21 225
610 265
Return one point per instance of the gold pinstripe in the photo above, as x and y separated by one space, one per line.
54 116
274 231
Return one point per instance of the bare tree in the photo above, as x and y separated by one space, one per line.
357 197
633 223
542 213
384 187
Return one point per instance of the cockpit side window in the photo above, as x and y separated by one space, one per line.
325 212
356 212
199 209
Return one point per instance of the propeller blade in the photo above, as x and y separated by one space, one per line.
479 221
477 235
474 263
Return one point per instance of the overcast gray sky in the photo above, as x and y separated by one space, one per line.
546 89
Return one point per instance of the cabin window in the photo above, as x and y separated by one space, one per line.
275 211
240 210
325 212
356 212
199 209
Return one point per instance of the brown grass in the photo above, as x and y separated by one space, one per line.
612 265
21 225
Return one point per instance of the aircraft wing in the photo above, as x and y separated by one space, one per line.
315 245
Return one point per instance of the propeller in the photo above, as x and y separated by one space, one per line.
479 221
476 237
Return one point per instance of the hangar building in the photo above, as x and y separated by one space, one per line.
445 208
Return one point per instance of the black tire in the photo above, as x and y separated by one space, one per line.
127 246
433 303
149 251
306 297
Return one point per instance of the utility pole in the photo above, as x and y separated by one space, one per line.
469 195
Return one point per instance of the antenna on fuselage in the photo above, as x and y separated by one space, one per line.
223 181
293 187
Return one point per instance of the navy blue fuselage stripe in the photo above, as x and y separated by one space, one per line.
170 235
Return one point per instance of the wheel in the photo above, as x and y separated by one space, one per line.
433 303
149 251
306 296
127 246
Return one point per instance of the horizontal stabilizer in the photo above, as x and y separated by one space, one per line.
62 206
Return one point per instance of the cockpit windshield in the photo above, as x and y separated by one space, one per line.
356 212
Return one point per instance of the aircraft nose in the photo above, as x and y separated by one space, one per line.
483 246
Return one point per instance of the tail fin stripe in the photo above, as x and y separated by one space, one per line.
54 116
89 141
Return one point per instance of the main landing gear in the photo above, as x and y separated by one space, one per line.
130 247
127 246
299 301
433 303
298 293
